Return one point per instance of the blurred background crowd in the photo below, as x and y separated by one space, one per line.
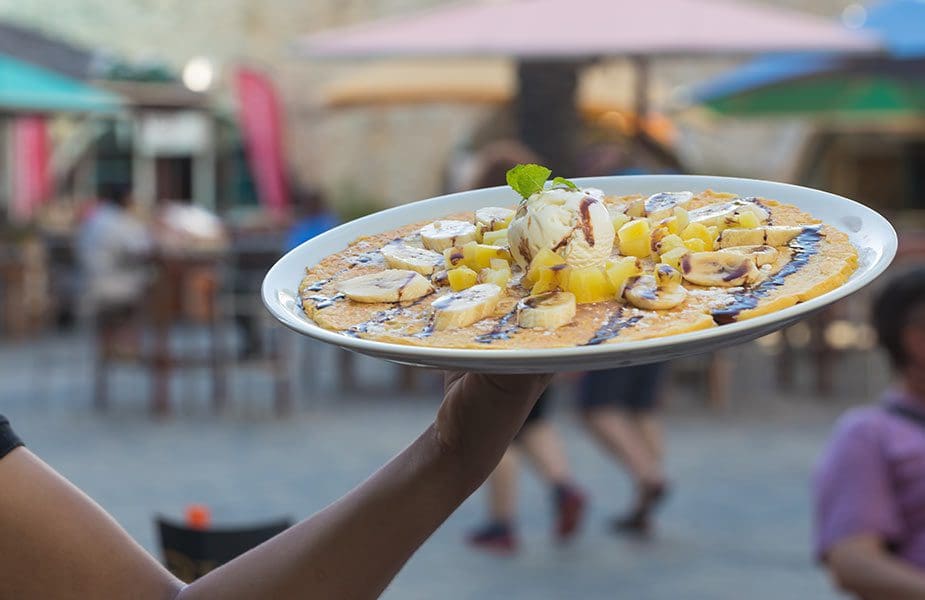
157 157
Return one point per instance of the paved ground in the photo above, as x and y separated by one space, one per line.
736 526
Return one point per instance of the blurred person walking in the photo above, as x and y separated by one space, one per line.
618 409
541 443
869 485
538 439
618 406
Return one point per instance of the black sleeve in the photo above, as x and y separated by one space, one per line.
8 439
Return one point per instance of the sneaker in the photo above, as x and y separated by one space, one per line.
639 520
570 511
494 537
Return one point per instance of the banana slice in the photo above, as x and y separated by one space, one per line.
762 255
661 292
725 214
769 235
661 206
441 235
391 285
465 307
724 269
546 311
493 218
420 260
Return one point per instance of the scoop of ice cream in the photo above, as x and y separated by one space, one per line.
573 224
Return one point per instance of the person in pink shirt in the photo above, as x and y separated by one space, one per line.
869 486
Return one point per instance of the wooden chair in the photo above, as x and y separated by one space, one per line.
251 258
185 289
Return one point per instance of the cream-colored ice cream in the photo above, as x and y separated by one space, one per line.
573 224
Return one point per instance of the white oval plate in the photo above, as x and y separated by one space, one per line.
872 235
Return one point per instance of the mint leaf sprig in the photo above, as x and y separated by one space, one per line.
529 179
562 181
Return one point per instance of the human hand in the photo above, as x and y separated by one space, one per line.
481 410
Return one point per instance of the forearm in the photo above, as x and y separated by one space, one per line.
877 575
353 548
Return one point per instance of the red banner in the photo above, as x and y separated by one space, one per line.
31 166
260 120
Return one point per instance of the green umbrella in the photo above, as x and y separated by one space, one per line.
28 88
864 88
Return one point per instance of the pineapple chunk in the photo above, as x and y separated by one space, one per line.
475 256
619 220
495 238
747 220
544 258
462 278
670 224
499 264
589 285
499 276
563 272
699 231
681 219
636 207
635 238
673 256
667 275
478 256
696 245
669 242
547 281
454 257
620 270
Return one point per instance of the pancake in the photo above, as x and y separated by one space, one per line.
819 259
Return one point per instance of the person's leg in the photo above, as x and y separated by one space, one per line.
543 445
617 434
502 489
617 408
498 534
650 428
541 442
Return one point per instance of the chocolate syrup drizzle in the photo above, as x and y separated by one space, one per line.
381 317
611 329
804 247
325 301
502 330
359 259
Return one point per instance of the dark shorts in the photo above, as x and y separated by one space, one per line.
538 414
633 389
114 316
8 439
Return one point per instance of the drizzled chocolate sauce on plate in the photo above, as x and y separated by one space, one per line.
804 246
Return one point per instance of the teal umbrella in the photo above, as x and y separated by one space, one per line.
855 88
28 88
826 83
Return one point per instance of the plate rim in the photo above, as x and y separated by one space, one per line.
441 356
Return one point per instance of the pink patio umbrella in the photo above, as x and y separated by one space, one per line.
580 29
576 32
